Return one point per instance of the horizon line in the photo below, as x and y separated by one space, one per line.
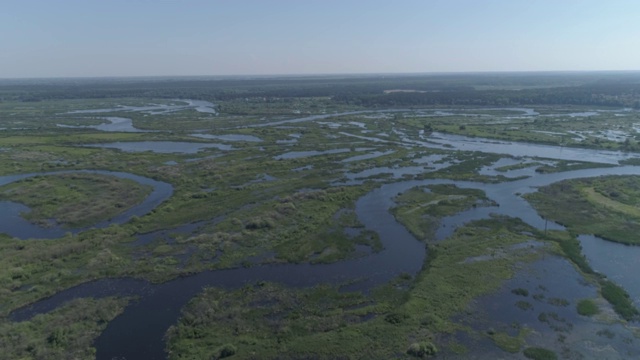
298 75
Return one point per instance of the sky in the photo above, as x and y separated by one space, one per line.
99 38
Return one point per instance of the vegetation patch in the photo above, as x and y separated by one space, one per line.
605 206
65 333
422 349
421 208
265 319
520 292
587 307
448 283
272 320
620 299
74 200
524 305
247 208
538 353
508 343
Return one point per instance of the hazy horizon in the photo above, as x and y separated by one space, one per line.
323 75
251 38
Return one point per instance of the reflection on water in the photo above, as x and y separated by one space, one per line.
139 331
12 223
161 146
229 137
115 124
159 109
492 170
372 155
302 154
619 262
459 142
553 289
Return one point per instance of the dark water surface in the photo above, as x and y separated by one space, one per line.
13 224
165 147
138 332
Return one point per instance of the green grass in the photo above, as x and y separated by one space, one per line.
263 320
588 206
601 206
587 307
510 344
518 166
537 353
600 200
545 130
74 200
571 249
298 217
270 321
619 298
420 211
65 333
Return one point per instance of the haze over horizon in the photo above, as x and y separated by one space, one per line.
119 38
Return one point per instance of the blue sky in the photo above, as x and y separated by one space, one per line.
60 38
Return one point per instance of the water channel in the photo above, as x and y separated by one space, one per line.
13 224
139 331
156 109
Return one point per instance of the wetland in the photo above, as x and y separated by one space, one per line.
289 223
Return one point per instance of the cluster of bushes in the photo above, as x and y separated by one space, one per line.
537 353
620 300
587 307
573 250
520 292
613 293
422 349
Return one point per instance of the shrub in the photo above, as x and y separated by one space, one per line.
224 351
422 349
587 307
620 300
537 353
558 302
520 292
573 250
524 305
260 223
395 318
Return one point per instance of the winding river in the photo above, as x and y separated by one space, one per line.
15 225
138 332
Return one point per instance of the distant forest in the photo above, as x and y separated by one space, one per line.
615 89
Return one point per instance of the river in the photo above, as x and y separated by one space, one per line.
13 224
138 332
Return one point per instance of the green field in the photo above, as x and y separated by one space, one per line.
291 198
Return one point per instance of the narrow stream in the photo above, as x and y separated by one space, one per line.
13 224
139 331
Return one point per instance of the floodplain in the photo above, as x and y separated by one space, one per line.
320 218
